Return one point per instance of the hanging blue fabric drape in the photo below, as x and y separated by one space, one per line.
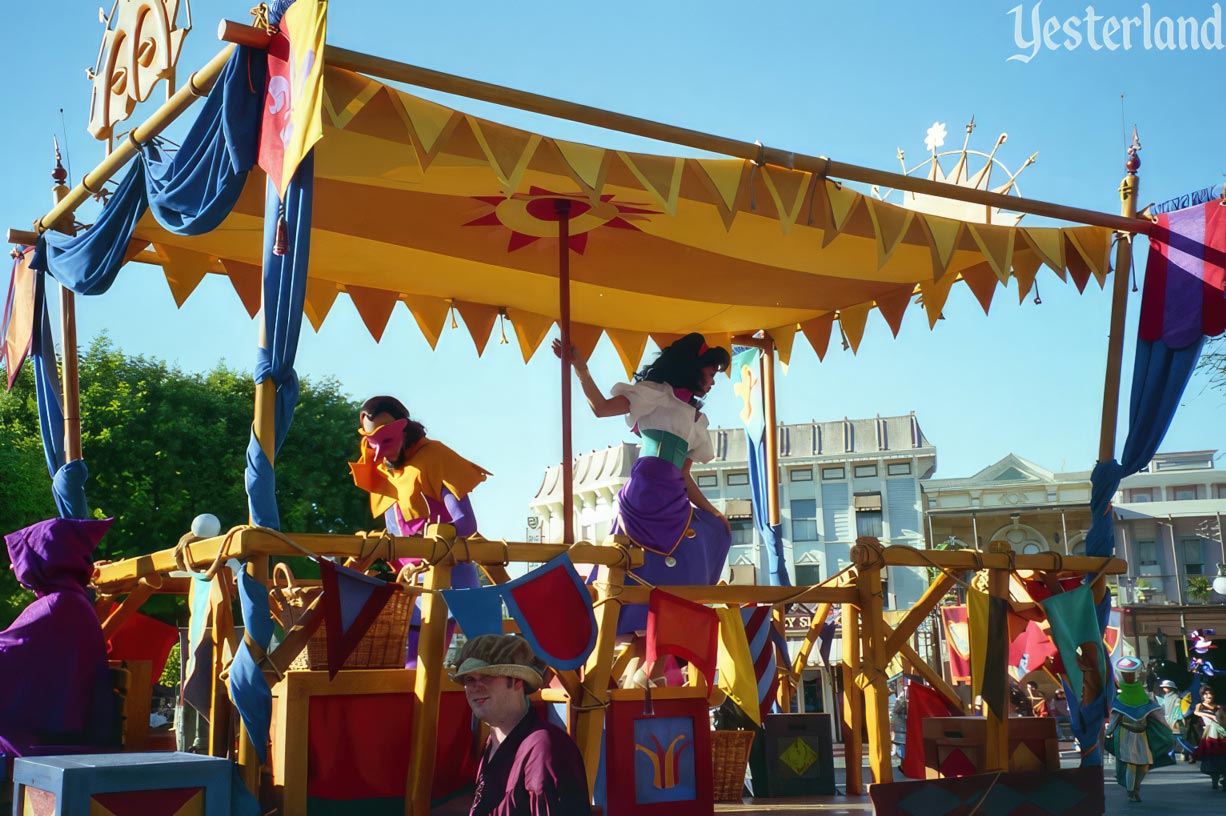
189 192
248 688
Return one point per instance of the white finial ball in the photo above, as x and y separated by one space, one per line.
206 525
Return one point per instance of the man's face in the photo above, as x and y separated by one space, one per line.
495 699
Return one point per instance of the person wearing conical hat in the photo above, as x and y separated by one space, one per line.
1137 733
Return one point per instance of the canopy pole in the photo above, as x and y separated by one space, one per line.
772 431
68 331
1129 189
562 208
750 151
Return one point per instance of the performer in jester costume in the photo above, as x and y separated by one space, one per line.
1137 733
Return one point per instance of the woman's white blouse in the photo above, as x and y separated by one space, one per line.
654 407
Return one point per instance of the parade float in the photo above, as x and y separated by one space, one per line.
308 174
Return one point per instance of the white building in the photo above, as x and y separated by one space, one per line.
838 480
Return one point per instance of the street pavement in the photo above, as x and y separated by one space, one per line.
1176 790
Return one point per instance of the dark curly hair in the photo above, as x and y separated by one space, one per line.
394 408
680 364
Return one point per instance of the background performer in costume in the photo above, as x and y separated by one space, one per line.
685 540
1211 749
1137 733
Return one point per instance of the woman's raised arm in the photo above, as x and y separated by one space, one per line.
601 405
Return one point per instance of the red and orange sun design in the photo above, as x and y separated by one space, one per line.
534 215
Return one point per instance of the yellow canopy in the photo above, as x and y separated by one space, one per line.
419 203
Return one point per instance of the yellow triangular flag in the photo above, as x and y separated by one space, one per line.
345 94
480 319
1094 245
320 295
584 338
890 224
934 294
789 190
374 307
248 283
841 202
629 345
663 339
530 330
430 314
735 663
430 125
977 628
184 270
587 165
982 281
723 177
943 234
507 149
659 175
1048 243
817 332
852 319
784 336
1025 269
996 244
894 306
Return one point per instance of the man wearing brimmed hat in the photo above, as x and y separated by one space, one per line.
1136 733
1172 708
530 767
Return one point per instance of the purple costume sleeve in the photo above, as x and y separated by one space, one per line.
462 516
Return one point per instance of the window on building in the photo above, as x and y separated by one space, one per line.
1140 495
801 474
804 520
898 469
1147 553
865 471
1184 492
1193 555
707 480
1220 491
737 479
742 532
834 473
808 574
868 514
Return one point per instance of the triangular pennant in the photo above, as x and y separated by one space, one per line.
584 338
184 270
1048 242
478 611
934 294
345 94
629 346
320 295
430 125
374 306
784 336
943 235
530 330
841 202
480 319
248 284
587 165
817 332
659 175
789 190
723 179
996 244
894 305
1078 268
890 224
664 339
982 281
507 149
1093 244
430 314
351 602
852 319
1025 268
20 316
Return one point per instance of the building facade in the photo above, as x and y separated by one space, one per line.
838 480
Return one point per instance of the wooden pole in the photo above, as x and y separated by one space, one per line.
562 208
873 660
428 683
853 702
996 753
68 331
750 151
1129 189
772 433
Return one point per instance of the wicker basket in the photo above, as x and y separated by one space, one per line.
382 647
729 756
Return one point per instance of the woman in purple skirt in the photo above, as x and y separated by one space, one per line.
685 540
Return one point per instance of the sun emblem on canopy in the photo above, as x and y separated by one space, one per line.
534 215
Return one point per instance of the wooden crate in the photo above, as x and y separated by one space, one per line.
955 746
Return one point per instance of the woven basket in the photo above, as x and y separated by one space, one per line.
382 647
729 756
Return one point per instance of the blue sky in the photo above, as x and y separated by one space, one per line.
853 81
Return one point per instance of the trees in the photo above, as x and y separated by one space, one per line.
163 446
1213 362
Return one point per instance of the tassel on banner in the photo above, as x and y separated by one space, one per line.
281 244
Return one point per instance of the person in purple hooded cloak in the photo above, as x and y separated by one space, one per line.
54 681
685 540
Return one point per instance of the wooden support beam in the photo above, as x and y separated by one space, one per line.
931 675
589 716
128 607
1129 188
911 621
873 667
853 702
811 638
740 595
431 650
996 753
957 560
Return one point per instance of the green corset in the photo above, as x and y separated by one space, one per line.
666 446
